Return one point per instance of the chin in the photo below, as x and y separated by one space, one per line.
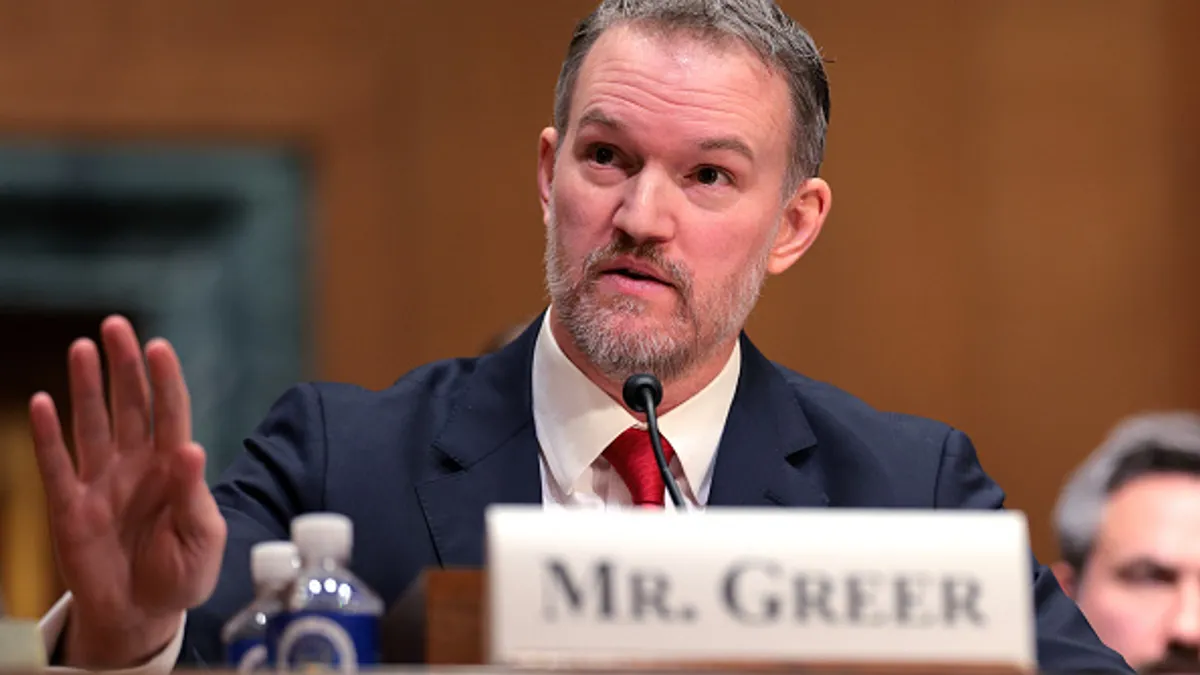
628 319
646 332
658 306
636 316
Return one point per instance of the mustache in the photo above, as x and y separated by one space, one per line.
649 253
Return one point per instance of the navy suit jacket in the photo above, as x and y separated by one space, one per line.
415 465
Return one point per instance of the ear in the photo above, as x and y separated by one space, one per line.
1066 577
547 154
803 216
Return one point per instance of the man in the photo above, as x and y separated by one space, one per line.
681 169
1128 523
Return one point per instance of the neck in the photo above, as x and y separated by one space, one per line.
675 391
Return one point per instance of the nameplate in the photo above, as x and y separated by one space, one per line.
21 645
759 585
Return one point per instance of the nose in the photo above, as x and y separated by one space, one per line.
1184 627
645 212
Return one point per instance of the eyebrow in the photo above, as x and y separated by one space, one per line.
597 117
1146 566
728 143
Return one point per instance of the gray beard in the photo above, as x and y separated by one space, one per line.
694 333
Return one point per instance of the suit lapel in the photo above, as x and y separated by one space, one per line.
765 457
487 453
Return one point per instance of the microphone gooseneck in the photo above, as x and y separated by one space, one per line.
642 393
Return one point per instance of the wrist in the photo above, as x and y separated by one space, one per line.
97 643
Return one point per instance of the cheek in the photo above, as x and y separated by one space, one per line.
720 252
583 212
1127 622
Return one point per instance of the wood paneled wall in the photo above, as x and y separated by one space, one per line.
1011 247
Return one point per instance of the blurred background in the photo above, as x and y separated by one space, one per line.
345 190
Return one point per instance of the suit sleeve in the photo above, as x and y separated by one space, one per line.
1065 640
279 476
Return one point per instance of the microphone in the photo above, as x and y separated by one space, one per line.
642 393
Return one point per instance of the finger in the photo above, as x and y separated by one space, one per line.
188 469
198 521
172 405
89 414
192 496
130 392
54 462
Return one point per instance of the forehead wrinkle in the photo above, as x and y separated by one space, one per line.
647 67
686 104
684 90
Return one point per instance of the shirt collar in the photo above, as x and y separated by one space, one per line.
576 420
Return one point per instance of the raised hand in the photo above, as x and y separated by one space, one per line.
137 535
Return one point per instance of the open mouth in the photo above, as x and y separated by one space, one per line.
635 271
636 275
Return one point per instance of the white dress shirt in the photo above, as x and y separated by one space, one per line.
162 663
575 422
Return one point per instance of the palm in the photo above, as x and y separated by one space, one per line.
136 530
101 524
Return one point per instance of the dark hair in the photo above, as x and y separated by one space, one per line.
1152 459
1146 460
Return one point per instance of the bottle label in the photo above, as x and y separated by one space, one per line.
275 625
246 656
327 641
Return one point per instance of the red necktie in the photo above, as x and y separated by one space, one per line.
632 457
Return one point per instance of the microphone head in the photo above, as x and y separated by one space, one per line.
634 386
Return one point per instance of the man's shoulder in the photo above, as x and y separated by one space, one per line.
418 392
339 414
438 378
841 417
868 456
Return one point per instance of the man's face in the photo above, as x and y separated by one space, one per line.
1141 588
664 203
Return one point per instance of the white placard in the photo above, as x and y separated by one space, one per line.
769 585
21 645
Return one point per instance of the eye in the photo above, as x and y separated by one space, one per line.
711 175
603 154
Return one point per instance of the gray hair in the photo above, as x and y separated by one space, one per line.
1151 443
760 24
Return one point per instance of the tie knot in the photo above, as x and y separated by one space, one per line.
632 457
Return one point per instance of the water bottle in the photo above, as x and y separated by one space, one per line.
332 619
273 566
